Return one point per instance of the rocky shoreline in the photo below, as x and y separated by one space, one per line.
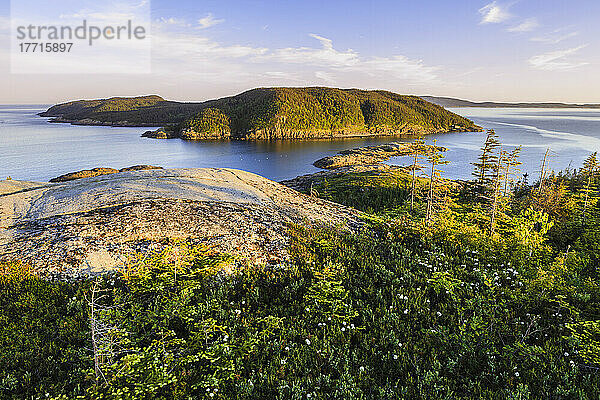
274 134
92 122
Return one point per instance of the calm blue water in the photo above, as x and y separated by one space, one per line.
33 149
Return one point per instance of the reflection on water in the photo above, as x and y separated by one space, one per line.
31 148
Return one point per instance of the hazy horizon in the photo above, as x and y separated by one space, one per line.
233 94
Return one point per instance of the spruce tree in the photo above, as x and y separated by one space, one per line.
590 171
436 185
499 170
511 164
417 154
485 162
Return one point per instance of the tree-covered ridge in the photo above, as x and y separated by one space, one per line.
276 113
209 120
81 109
284 112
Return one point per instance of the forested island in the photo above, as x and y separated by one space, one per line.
271 113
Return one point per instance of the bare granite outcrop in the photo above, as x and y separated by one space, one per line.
91 225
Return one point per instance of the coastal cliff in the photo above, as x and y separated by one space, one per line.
271 113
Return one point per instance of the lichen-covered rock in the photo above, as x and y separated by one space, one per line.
86 173
139 168
91 225
89 173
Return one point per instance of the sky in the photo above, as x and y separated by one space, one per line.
520 50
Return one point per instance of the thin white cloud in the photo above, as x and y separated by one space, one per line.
173 21
196 56
555 36
114 12
189 48
327 43
350 62
208 21
325 77
528 25
325 56
280 76
400 67
557 60
494 13
101 16
469 72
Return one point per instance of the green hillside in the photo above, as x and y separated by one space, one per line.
274 113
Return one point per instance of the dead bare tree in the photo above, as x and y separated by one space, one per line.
590 170
498 169
106 337
540 195
511 167
417 149
543 171
435 158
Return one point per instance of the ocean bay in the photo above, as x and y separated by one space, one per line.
31 148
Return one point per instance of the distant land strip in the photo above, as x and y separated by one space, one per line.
456 103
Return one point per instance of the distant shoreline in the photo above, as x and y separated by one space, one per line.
451 102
